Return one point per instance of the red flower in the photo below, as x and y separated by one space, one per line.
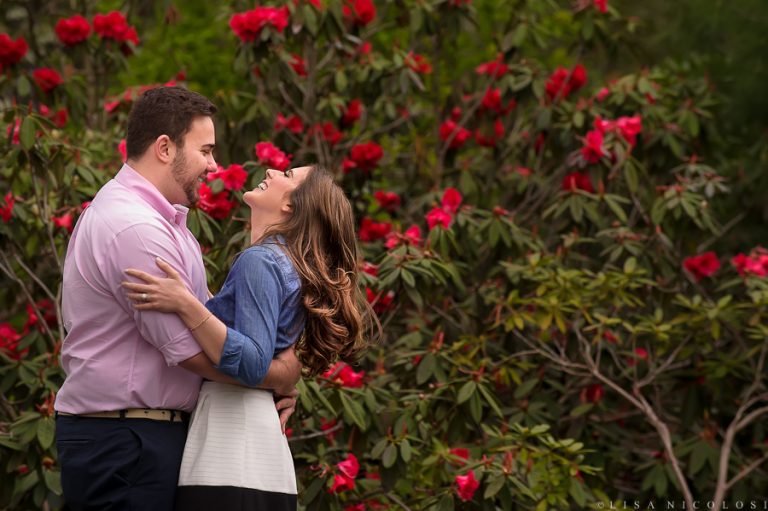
114 26
217 205
593 147
460 452
11 52
370 268
756 263
418 63
495 68
451 200
248 25
122 149
459 134
6 207
372 231
602 94
562 82
329 133
630 127
16 129
292 124
381 302
638 354
523 171
491 100
359 12
703 265
601 5
349 467
341 483
60 117
592 394
9 342
466 486
298 65
490 141
47 308
46 78
271 156
352 113
233 176
438 216
326 425
72 31
366 156
64 221
577 181
387 200
412 236
343 375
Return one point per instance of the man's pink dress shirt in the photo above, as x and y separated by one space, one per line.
114 356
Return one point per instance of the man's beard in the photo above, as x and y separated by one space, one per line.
179 173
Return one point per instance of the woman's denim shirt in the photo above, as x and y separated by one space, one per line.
260 303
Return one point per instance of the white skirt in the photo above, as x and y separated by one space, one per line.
235 440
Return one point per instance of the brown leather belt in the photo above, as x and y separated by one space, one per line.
135 413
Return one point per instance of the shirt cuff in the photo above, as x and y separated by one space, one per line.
180 348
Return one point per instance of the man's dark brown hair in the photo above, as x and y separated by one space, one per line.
164 111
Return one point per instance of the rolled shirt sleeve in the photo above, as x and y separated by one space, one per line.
140 245
259 287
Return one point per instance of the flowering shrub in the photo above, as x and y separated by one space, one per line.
544 246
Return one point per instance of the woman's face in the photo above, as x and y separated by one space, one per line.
274 193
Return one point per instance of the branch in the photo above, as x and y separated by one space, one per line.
317 433
639 401
746 471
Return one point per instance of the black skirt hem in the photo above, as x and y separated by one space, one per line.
232 498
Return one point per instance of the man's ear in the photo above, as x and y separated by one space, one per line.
165 149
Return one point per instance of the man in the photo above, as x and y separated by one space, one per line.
134 376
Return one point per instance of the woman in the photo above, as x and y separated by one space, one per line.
296 284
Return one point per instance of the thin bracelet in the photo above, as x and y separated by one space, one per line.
201 323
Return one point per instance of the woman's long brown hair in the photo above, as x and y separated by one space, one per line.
320 239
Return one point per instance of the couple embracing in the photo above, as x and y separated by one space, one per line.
135 429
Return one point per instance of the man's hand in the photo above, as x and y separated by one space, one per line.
284 373
286 405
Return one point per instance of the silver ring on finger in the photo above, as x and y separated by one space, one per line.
144 297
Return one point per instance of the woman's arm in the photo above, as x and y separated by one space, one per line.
171 295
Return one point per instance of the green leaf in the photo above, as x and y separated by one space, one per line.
406 451
45 430
26 482
446 503
315 388
353 410
340 79
426 368
476 408
310 19
53 481
390 456
576 491
466 391
525 388
490 399
27 133
495 484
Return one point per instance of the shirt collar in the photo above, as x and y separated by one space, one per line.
138 184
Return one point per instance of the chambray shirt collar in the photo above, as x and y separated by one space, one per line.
128 177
